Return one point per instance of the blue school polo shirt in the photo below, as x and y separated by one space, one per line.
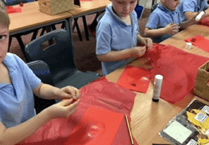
115 35
192 6
16 99
160 18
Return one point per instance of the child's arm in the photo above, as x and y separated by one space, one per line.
169 29
14 135
188 23
46 91
123 54
206 12
190 15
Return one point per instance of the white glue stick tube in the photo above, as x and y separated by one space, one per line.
199 16
157 88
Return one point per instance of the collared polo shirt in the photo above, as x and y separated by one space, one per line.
16 99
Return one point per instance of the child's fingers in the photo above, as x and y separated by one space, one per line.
77 93
73 105
66 102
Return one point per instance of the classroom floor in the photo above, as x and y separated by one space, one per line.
84 50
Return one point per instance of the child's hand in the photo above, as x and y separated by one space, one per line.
69 92
65 108
138 51
172 28
149 43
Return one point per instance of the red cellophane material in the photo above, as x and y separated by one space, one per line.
102 94
200 42
135 79
204 21
11 9
179 69
98 126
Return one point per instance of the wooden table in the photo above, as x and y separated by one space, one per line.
31 18
148 117
89 7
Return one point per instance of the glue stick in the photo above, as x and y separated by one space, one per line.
157 87
199 16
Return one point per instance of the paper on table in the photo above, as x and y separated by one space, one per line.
98 126
177 131
135 78
200 42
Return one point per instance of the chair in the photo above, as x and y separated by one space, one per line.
41 70
60 58
141 4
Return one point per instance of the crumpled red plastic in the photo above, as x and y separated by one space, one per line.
101 93
204 21
200 42
178 68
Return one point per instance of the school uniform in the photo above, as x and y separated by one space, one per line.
160 18
113 34
192 6
16 99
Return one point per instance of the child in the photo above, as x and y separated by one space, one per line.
191 8
165 21
118 36
18 119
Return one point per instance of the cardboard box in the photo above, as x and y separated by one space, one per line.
53 7
202 81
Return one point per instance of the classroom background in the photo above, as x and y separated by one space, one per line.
85 50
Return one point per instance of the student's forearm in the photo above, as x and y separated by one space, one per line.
14 135
140 40
46 91
154 32
190 15
115 55
186 24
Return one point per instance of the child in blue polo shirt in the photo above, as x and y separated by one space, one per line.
165 21
18 119
118 36
191 8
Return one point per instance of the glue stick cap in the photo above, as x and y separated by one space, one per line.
189 45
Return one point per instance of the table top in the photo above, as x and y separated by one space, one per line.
31 17
148 117
90 7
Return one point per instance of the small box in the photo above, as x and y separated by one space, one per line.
53 7
202 81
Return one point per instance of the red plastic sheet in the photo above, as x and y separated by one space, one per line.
11 9
179 69
98 126
135 78
100 93
204 21
200 42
